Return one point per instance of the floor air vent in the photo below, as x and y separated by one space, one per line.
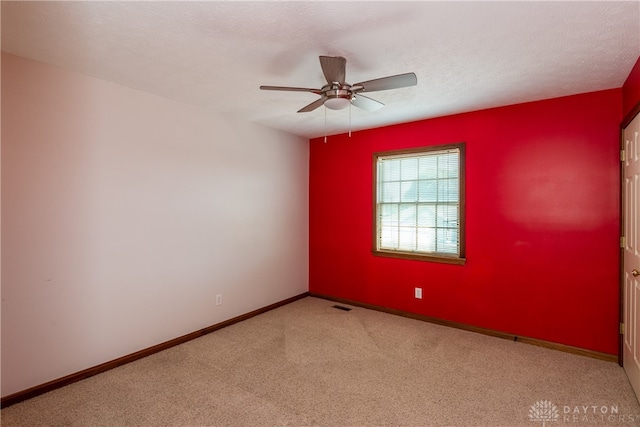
340 307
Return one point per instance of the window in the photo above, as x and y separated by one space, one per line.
418 202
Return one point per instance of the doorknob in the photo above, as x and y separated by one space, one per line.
635 273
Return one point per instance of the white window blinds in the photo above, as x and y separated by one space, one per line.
418 205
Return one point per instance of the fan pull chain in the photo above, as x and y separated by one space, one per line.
349 119
325 125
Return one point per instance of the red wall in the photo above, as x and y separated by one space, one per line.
542 221
631 90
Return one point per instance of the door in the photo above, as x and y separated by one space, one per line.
631 253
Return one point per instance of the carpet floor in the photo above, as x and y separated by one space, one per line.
309 364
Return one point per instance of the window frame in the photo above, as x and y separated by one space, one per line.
458 259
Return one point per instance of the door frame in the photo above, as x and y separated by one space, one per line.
625 122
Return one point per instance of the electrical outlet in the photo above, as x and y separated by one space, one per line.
219 299
418 293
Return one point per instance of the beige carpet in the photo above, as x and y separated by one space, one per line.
308 364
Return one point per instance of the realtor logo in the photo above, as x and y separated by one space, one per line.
544 411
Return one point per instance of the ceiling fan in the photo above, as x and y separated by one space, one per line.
337 94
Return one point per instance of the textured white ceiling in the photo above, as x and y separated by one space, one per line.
466 55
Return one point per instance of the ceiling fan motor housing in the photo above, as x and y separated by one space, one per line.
337 95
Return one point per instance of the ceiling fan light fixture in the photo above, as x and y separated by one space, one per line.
337 103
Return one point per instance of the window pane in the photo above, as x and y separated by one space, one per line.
409 190
390 170
389 237
426 216
448 165
428 167
427 191
408 215
447 240
409 169
447 216
389 214
426 239
448 190
390 192
408 238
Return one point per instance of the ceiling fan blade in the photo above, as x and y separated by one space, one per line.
312 106
384 83
291 89
333 68
366 103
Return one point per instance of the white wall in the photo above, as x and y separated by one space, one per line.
124 214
